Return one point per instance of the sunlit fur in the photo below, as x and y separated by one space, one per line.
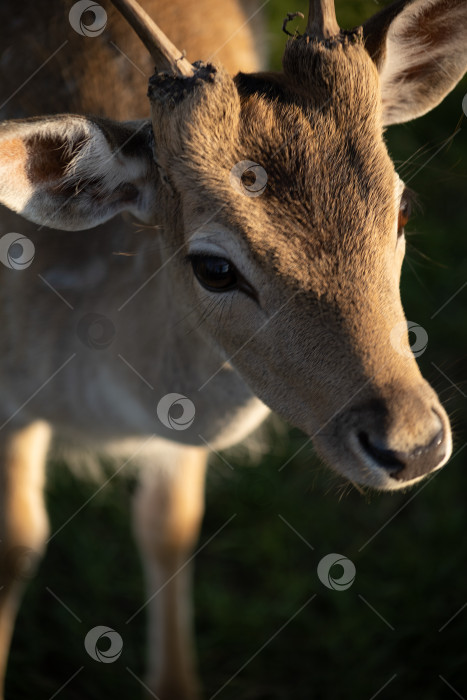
319 248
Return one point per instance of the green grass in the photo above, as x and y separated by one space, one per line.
258 573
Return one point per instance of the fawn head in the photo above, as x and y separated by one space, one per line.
282 209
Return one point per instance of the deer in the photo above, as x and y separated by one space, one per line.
263 221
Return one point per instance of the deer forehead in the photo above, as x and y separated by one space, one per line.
329 205
327 202
319 144
323 198
332 91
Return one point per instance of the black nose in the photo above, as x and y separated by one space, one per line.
405 466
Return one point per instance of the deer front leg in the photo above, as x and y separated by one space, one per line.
169 506
23 519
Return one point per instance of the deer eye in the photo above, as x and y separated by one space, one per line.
405 211
215 274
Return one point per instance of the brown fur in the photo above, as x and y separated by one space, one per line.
319 253
321 227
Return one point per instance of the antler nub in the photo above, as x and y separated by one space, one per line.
165 55
322 22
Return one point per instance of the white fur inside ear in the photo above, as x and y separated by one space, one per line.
92 159
426 55
71 172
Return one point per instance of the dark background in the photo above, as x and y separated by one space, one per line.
409 549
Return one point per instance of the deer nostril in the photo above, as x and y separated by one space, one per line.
402 465
384 457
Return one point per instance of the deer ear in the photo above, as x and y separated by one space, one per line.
70 172
420 49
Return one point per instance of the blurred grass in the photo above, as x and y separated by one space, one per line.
254 577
